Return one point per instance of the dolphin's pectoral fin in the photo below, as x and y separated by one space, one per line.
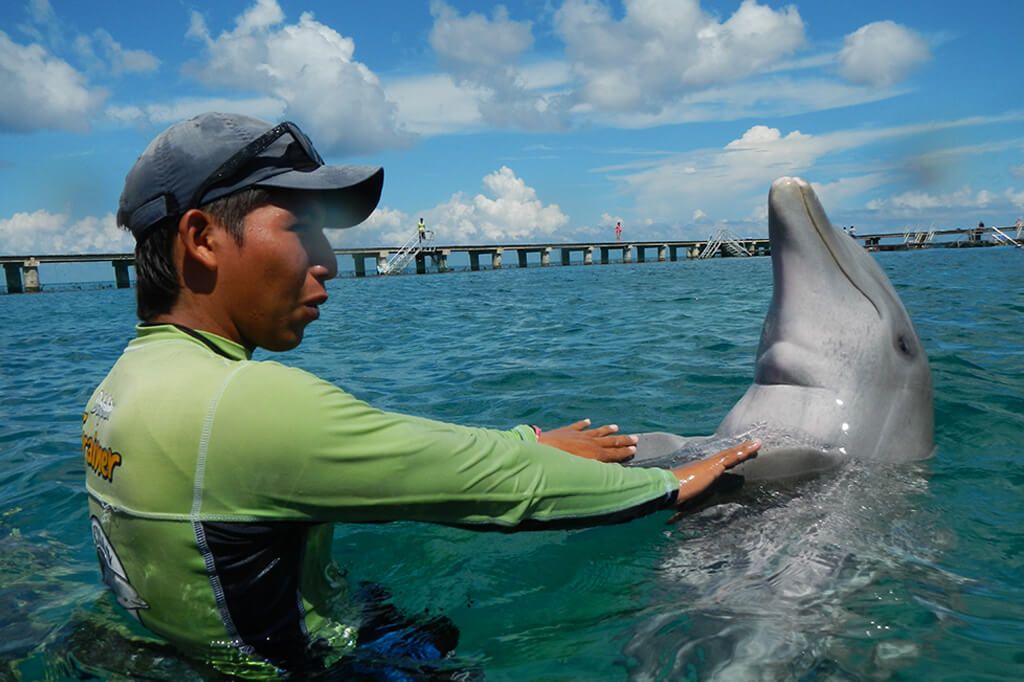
657 444
668 451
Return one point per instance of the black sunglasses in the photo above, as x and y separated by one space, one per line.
246 154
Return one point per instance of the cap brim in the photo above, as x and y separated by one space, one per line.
352 192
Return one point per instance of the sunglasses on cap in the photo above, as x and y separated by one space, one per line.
246 154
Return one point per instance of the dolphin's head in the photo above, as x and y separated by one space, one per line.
840 368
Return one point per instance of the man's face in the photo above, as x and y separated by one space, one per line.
274 282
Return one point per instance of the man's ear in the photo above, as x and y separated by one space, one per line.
199 238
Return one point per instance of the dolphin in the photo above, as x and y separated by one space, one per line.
765 585
840 372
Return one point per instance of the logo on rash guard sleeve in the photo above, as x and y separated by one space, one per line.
104 405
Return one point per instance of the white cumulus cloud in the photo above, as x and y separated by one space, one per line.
267 108
607 219
384 227
114 56
435 104
513 212
474 41
509 211
42 232
662 49
42 91
913 201
307 65
1016 198
881 54
42 25
481 54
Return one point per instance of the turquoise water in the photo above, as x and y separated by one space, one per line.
908 573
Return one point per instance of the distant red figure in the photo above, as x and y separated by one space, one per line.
618 231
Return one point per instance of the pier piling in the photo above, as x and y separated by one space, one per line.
13 274
30 271
121 274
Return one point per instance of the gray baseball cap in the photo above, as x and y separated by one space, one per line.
214 155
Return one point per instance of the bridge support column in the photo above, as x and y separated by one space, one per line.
31 275
13 273
474 261
566 254
694 250
673 253
588 255
421 263
359 263
522 258
496 259
627 254
441 258
382 261
641 254
545 257
604 255
662 252
121 274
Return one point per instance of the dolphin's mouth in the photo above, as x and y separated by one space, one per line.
829 236
805 245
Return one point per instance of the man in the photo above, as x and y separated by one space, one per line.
214 480
421 229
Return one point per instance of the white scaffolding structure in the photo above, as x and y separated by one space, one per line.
1001 236
918 238
723 239
405 255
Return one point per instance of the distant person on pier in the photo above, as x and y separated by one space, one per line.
979 231
214 479
421 228
618 231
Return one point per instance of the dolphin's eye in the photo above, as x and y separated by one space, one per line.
901 343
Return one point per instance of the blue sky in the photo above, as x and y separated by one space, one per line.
532 121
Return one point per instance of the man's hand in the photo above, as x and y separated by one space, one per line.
698 476
599 443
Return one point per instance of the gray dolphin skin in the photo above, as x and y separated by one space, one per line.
840 372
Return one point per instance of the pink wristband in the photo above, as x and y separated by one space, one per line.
536 430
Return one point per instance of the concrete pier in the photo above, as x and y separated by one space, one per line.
545 255
22 271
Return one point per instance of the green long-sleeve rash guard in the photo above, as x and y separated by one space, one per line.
213 480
